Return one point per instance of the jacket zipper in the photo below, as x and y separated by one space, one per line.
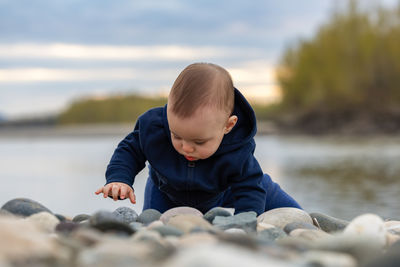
189 181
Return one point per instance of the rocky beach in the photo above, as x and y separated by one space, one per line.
32 235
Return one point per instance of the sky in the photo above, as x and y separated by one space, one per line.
53 52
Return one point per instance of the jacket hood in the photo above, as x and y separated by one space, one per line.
242 133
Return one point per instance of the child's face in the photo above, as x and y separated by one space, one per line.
199 136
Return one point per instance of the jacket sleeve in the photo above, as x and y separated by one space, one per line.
247 189
128 159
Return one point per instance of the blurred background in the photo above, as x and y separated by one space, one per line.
322 75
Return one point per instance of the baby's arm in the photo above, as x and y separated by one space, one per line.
117 190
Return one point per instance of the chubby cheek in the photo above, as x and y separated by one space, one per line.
176 145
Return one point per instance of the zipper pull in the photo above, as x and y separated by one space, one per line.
191 164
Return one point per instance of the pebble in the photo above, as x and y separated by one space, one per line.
45 221
167 230
106 221
245 220
189 222
166 216
328 259
283 216
126 215
217 211
148 216
81 217
24 207
368 226
393 227
271 234
308 234
66 227
186 238
298 225
329 224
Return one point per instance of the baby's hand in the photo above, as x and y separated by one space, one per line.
116 190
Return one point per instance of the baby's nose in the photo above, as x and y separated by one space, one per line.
187 148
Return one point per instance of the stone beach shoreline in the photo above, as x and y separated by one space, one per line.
32 235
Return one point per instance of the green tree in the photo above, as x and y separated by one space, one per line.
351 66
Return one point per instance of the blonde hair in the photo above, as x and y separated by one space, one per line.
201 85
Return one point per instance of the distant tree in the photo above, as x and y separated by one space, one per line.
352 65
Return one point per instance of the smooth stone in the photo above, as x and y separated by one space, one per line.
60 217
155 224
309 234
235 231
392 239
282 216
369 226
329 224
271 234
136 226
298 225
146 235
390 259
393 227
327 259
148 216
188 222
24 207
23 240
361 247
166 216
45 221
217 211
245 220
66 227
196 239
126 214
81 217
167 230
221 255
87 236
123 253
106 221
264 226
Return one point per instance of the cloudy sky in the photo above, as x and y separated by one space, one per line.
55 51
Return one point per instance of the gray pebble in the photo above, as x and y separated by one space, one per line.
217 211
271 234
148 216
80 218
329 224
245 220
168 230
127 215
106 221
24 207
298 225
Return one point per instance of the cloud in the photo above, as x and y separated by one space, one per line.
108 52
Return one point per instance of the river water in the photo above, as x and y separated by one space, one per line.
342 177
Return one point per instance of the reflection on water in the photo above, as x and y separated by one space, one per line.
340 177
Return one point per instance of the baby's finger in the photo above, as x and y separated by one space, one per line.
132 197
98 191
106 190
123 192
115 192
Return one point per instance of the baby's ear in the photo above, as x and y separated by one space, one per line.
230 123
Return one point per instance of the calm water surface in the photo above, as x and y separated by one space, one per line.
342 177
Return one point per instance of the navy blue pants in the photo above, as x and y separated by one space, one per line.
276 197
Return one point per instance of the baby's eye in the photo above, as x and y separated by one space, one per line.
176 137
200 142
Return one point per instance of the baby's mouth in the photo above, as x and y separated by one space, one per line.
190 158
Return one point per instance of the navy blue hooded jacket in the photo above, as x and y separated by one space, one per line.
199 184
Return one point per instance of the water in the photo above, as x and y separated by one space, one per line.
342 177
